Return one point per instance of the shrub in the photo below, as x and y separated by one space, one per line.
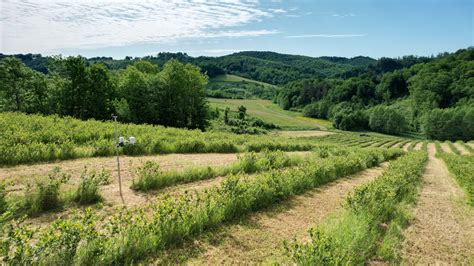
44 195
3 195
88 190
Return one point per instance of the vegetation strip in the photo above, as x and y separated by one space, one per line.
462 168
129 237
371 221
149 176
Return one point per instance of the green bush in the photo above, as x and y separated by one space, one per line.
44 195
3 195
88 190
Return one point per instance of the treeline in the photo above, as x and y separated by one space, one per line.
141 93
398 96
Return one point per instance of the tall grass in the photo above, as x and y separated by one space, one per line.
439 150
44 194
88 190
361 230
132 236
149 176
35 138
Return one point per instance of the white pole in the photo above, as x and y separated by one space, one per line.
118 160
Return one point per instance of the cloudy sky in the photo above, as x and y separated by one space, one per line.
310 27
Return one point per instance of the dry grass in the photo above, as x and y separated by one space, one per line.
442 232
259 238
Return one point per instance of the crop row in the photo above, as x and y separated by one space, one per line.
132 235
371 222
35 138
462 168
149 176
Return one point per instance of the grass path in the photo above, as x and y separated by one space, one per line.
443 228
259 238
405 147
461 149
445 147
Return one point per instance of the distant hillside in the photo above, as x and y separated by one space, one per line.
235 87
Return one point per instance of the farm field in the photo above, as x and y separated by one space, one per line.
227 78
272 113
267 200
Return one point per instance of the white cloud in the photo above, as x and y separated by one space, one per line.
49 26
326 36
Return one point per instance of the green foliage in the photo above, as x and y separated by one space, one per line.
44 195
233 87
34 138
88 190
149 176
387 120
352 236
462 167
450 124
129 237
3 195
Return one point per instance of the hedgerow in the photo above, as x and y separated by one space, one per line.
371 221
132 235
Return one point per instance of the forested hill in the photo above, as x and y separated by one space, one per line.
269 67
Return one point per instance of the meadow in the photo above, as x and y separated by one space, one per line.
272 113
61 216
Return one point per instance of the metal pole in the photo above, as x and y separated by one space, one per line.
118 160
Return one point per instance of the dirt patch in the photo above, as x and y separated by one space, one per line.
306 133
442 231
461 149
259 238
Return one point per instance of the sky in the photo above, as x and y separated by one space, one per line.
119 28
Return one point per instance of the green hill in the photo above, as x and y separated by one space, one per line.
272 113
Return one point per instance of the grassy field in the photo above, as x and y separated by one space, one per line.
234 198
272 113
235 79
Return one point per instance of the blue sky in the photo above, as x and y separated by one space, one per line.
348 28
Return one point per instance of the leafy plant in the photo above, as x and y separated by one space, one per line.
44 195
88 190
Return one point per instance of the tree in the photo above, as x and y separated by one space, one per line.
242 111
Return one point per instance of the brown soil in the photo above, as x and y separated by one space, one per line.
461 149
259 238
306 133
442 232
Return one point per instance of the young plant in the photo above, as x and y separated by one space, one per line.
88 190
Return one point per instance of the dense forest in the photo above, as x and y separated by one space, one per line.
73 87
434 97
429 96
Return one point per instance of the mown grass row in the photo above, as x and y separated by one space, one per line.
149 176
462 168
371 222
131 236
35 138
